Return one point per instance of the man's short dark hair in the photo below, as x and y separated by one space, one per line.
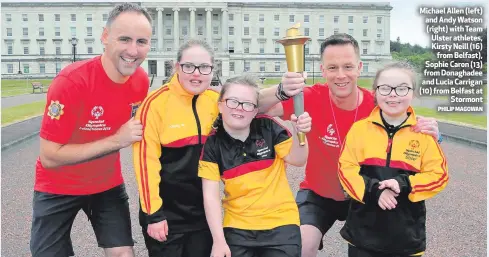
340 39
127 7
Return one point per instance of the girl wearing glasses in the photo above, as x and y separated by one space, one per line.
390 173
176 120
248 154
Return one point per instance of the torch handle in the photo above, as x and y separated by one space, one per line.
298 110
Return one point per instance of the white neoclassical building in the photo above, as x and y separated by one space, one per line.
37 37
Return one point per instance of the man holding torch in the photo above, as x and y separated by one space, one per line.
334 107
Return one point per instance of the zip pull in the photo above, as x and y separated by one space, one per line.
389 146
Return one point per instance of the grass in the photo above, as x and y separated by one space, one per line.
13 87
22 112
477 120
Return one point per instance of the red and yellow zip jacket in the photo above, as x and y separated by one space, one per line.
372 154
175 127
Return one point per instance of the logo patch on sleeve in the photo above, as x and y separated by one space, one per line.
55 110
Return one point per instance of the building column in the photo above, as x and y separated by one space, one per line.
224 30
192 22
159 28
176 29
208 25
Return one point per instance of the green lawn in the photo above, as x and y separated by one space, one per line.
12 87
22 112
465 118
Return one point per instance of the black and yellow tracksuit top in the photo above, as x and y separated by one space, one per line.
175 127
373 153
257 193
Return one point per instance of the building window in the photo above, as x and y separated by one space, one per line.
215 30
41 32
365 19
42 51
9 32
365 32
246 17
230 17
365 48
231 66
277 66
246 31
10 68
90 50
89 31
276 32
306 31
308 66
42 68
231 46
336 19
8 17
246 66
105 17
276 17
277 48
73 17
26 68
246 47
41 17
350 31
184 30
379 33
365 67
25 31
291 18
168 31
168 16
321 32
24 17
262 66
350 19
57 17
153 45
73 31
10 48
200 31
261 17
215 17
262 31
379 20
306 49
58 67
153 30
216 45
89 17
57 32
336 31
58 50
200 17
306 18
262 48
231 31
321 19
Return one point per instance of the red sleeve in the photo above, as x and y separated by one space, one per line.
288 105
62 109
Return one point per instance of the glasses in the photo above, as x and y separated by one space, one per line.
247 106
400 91
189 68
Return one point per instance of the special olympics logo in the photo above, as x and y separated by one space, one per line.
97 111
330 129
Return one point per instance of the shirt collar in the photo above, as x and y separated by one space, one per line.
254 134
376 118
175 86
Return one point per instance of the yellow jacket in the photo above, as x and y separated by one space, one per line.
176 125
372 154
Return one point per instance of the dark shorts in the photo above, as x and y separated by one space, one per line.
320 212
283 241
358 252
188 244
53 217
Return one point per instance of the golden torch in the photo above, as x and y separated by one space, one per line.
293 43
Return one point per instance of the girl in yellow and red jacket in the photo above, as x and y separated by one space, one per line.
389 171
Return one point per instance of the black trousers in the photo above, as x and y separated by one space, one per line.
188 244
358 252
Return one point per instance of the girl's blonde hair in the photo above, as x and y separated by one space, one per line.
405 66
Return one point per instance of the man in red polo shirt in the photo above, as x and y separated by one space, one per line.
88 119
333 107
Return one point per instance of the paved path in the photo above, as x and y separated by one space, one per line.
456 222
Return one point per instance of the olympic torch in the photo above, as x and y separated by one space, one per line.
293 43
